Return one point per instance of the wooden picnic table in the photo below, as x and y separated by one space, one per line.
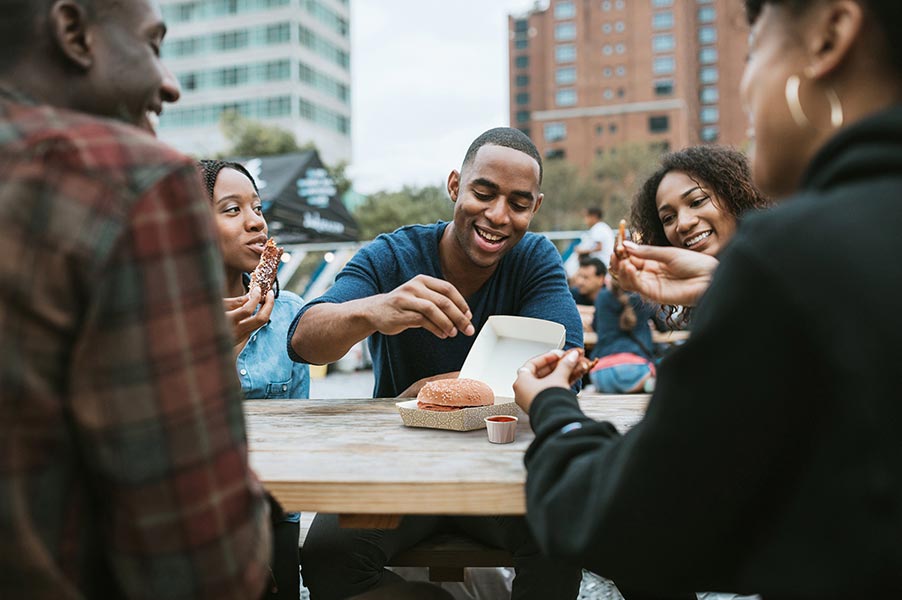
590 338
354 457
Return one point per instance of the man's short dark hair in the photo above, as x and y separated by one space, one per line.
507 137
595 212
591 261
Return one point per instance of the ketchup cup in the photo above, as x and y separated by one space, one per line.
502 429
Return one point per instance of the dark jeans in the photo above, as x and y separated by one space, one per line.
338 563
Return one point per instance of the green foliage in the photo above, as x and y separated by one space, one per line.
619 175
567 194
383 212
252 138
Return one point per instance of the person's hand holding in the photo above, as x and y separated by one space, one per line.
242 318
424 301
663 274
552 369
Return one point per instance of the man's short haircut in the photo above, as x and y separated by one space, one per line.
591 261
19 21
508 137
595 211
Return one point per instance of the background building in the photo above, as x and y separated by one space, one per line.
283 62
587 76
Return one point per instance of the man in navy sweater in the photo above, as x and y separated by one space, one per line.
421 294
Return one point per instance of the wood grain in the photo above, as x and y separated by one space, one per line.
355 457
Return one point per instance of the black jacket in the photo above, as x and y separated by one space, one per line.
770 458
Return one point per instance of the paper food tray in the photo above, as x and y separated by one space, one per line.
465 419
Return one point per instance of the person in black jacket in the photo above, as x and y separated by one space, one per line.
769 459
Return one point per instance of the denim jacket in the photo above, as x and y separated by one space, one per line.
264 368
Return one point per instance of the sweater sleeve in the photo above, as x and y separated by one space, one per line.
674 503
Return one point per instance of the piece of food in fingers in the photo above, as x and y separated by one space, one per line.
265 274
454 394
621 236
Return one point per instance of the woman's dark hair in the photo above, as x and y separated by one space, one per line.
723 170
209 171
887 16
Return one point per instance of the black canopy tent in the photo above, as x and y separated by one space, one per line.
300 200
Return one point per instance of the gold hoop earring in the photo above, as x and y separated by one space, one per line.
793 83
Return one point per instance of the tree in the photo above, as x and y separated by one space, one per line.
252 138
568 193
620 172
383 212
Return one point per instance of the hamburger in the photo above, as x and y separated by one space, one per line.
445 395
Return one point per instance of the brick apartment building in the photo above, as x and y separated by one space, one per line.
587 76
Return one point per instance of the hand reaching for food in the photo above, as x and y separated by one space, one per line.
552 369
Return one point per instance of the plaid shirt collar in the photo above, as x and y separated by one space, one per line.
14 95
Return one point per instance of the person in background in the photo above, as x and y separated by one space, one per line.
598 241
260 330
769 458
588 281
694 200
421 294
124 466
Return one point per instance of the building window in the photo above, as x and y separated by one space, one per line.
564 10
708 75
606 6
620 27
619 4
521 44
661 3
621 71
521 26
608 94
607 71
663 65
565 53
707 35
564 32
707 56
658 124
612 128
706 14
522 98
525 131
621 92
664 87
663 42
710 134
709 114
554 153
599 129
565 75
565 97
607 50
521 62
522 116
607 28
522 80
620 48
662 20
709 95
555 132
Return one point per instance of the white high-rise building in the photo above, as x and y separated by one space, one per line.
282 62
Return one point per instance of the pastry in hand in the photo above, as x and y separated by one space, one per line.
264 275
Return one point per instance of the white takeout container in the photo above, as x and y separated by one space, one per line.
502 346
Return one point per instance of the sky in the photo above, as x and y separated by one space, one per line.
428 76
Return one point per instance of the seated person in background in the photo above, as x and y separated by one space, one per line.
624 347
263 365
589 279
421 294
694 201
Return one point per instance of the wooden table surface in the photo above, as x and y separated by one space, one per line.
355 457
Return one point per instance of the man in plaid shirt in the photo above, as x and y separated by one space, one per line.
123 454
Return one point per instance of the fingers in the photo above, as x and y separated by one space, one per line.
233 303
452 304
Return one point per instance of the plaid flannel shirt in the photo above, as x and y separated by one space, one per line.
123 452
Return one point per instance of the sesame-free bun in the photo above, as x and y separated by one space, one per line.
454 394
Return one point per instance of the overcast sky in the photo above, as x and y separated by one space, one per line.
428 76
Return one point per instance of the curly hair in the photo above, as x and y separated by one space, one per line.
723 170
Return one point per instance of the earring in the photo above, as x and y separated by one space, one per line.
793 83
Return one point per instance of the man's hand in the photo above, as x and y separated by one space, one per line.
241 317
414 389
664 274
427 302
553 369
